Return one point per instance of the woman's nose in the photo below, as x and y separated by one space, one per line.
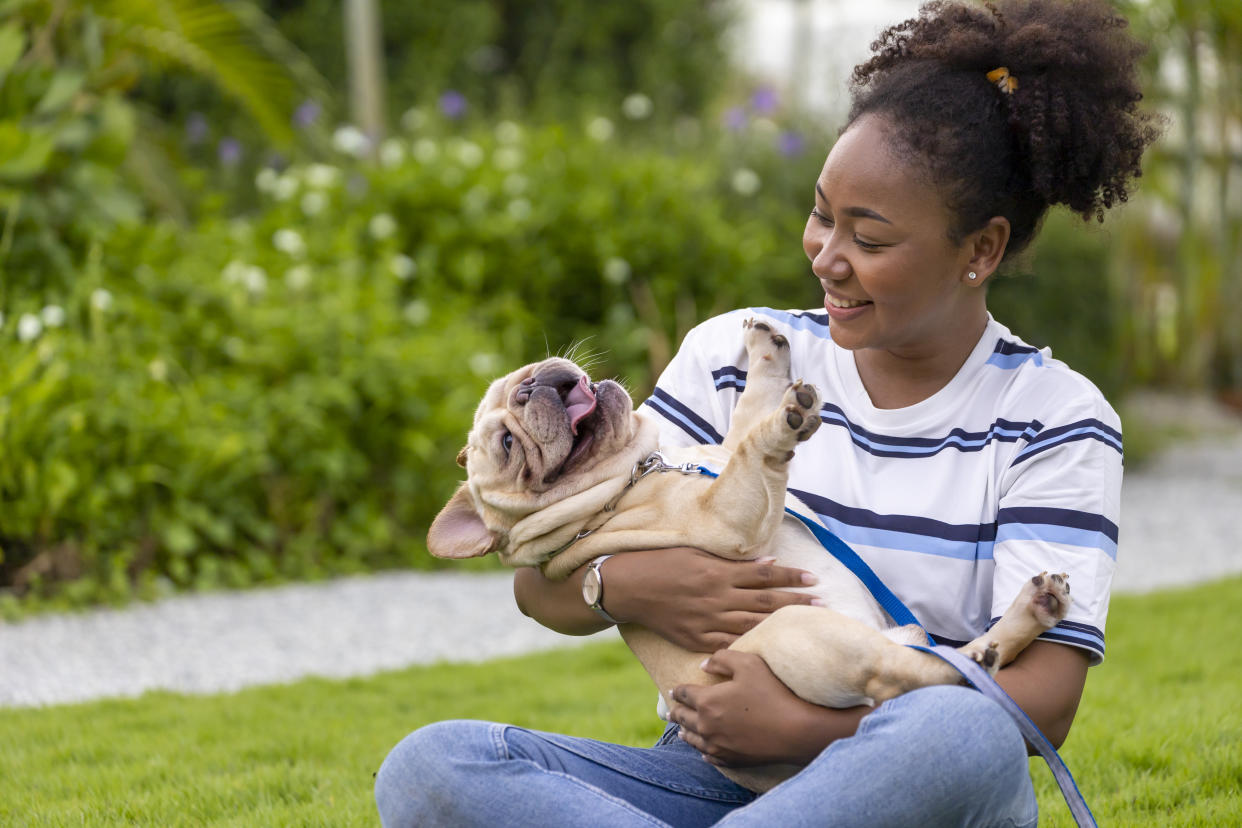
826 259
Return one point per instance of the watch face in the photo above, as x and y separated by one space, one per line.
590 587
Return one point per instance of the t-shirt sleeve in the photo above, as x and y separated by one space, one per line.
693 399
1059 512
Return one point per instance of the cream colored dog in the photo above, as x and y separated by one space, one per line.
553 481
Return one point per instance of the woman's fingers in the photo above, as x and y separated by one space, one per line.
761 575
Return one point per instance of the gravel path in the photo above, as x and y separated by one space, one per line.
1180 526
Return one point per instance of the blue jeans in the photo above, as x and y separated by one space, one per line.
935 756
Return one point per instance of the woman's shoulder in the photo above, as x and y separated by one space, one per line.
1032 379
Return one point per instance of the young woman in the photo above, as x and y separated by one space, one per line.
954 458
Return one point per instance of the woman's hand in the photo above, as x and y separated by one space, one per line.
697 600
751 718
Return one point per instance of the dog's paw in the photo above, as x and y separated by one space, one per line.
988 658
1049 598
765 345
801 406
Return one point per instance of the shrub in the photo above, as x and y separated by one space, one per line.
282 395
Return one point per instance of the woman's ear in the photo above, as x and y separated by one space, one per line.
987 248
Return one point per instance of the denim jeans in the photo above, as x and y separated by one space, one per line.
935 756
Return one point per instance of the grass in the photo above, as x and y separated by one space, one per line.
1158 740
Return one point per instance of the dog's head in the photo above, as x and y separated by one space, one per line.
541 434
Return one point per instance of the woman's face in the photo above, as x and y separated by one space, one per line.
878 241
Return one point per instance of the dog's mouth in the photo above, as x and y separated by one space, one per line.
581 407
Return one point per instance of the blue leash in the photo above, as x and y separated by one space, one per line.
975 675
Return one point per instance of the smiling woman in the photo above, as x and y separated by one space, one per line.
953 457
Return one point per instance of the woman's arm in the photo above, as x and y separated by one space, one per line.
751 718
692 598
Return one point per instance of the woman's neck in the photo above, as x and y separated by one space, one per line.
898 378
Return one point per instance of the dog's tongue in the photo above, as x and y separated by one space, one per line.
579 403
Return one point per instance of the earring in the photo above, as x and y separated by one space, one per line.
972 275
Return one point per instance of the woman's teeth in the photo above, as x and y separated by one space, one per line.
847 303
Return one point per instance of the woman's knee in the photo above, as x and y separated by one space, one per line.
963 723
418 771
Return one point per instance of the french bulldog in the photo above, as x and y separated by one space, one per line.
555 477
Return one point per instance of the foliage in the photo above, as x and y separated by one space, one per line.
283 395
81 158
1156 740
552 59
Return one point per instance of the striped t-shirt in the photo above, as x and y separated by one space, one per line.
1012 469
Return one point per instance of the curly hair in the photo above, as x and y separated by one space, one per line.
1071 133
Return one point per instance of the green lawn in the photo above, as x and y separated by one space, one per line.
1158 740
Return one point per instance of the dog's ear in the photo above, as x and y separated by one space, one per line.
458 531
461 457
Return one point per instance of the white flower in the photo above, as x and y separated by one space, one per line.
314 203
402 266
425 150
470 154
507 132
29 327
297 278
285 187
350 140
746 181
637 106
413 119
392 153
234 272
485 365
255 279
616 270
158 369
508 158
417 312
234 347
600 129
382 226
519 209
515 184
289 242
265 180
101 299
321 176
475 201
53 316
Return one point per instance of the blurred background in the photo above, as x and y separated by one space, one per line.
258 260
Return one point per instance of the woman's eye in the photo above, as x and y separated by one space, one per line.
866 245
823 219
507 442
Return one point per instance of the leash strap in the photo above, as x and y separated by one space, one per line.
985 684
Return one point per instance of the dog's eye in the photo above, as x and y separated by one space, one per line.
507 442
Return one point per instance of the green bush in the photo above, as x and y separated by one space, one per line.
282 395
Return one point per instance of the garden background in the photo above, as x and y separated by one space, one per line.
241 334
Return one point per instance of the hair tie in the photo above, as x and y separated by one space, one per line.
1004 81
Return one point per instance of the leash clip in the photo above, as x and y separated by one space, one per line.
654 462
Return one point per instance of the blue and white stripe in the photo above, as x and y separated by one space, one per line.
1090 429
1010 355
683 417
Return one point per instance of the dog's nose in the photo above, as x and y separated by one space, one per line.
561 379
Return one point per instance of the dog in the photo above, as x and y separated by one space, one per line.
558 473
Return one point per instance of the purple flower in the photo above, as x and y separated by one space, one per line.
195 129
453 104
735 119
307 114
229 151
764 101
790 144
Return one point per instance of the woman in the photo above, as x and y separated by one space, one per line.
955 458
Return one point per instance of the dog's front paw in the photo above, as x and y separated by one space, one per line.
1049 598
801 405
988 657
768 350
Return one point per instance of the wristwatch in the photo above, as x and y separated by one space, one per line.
593 589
